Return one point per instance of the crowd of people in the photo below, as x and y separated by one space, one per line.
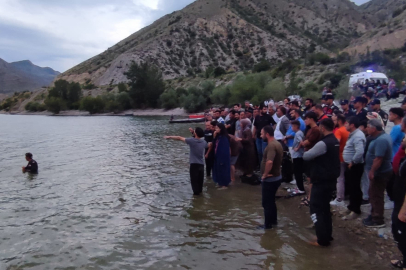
341 152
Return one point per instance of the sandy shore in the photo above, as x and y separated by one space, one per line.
147 112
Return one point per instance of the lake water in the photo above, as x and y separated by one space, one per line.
69 215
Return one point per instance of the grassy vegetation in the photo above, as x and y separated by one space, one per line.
198 91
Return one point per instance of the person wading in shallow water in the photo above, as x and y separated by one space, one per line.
196 158
324 171
271 176
32 166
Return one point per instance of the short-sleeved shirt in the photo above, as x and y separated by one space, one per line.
197 147
397 136
380 147
274 152
261 121
342 136
231 129
348 113
208 136
313 135
299 137
362 116
32 166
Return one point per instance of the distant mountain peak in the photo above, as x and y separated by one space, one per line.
24 75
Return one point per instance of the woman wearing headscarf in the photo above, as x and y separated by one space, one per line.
248 157
221 167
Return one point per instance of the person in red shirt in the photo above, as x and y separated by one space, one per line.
342 136
318 109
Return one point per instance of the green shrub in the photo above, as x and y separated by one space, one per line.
122 87
55 104
89 86
264 65
218 71
35 107
169 99
333 79
92 104
322 58
221 95
342 91
397 12
197 98
146 84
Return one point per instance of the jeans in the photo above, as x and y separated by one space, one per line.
320 212
353 177
376 195
261 145
341 182
365 185
197 178
269 190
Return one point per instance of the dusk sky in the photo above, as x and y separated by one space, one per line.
62 34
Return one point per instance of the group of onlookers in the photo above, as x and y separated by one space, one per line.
339 151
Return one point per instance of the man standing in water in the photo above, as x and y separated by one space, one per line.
271 175
32 166
196 158
324 171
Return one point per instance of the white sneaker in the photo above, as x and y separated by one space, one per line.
337 203
389 205
293 182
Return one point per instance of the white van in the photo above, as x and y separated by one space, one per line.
369 74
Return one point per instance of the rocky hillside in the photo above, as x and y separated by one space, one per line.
390 32
381 10
233 34
24 75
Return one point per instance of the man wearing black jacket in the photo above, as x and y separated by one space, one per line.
324 171
32 166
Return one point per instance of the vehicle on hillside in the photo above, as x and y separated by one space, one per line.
359 78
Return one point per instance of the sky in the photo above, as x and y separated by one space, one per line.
61 34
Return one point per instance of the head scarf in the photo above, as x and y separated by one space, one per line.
246 124
374 115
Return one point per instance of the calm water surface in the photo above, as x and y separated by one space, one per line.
69 215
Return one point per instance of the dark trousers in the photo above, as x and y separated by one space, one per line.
389 186
197 178
298 170
269 190
320 211
376 195
353 177
399 231
209 163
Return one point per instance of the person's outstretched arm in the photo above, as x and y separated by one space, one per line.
176 138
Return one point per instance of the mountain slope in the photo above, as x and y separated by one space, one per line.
391 30
381 10
24 75
228 33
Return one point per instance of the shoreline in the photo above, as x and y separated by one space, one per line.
146 112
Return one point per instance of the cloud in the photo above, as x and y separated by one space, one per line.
61 34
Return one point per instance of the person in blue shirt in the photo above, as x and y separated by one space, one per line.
395 116
295 114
